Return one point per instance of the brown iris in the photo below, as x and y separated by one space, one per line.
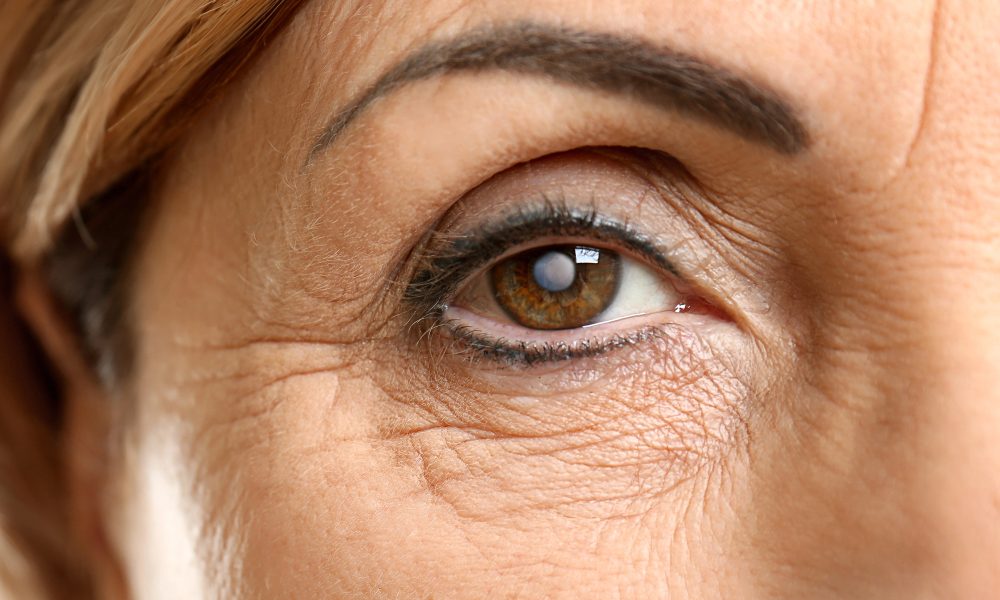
556 287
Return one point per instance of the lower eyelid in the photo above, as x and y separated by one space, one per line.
473 337
456 317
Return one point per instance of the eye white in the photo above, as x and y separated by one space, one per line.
640 291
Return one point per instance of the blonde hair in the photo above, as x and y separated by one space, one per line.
90 91
98 86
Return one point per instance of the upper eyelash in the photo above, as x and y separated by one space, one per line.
445 270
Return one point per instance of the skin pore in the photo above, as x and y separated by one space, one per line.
292 427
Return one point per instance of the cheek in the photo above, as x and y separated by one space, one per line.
343 480
317 478
304 498
508 448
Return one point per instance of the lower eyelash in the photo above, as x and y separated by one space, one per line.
511 353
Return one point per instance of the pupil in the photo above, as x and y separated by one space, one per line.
554 271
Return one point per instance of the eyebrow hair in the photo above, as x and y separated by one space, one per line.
655 75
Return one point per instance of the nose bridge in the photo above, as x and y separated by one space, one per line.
945 380
929 249
908 296
934 308
903 395
948 376
928 365
936 261
902 404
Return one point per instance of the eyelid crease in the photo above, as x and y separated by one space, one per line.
444 271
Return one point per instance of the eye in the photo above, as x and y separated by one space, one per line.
565 287
559 287
569 286
547 284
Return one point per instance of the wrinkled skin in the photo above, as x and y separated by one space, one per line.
834 434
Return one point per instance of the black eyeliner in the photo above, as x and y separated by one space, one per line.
526 354
450 262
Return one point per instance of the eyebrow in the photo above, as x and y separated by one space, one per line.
658 76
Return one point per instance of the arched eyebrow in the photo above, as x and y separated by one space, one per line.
655 75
